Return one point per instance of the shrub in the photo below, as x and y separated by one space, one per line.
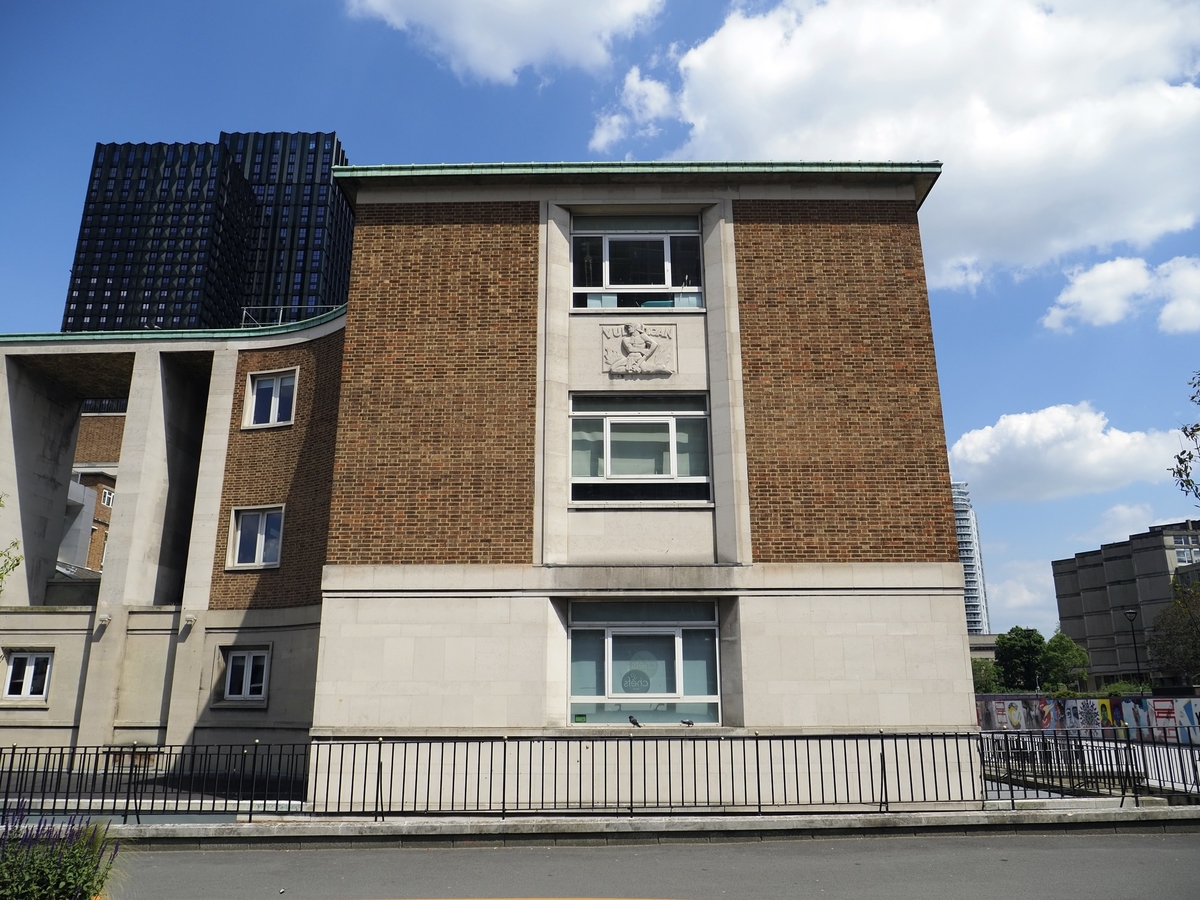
53 861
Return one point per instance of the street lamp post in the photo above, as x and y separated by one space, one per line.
1131 614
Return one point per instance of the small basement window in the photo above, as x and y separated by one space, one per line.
246 673
28 675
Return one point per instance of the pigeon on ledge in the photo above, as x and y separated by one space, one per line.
687 722
634 722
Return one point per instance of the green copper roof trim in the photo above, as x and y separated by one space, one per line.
637 168
179 334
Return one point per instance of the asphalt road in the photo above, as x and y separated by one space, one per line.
1063 867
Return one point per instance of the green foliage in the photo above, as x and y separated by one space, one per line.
1125 688
1064 694
1174 641
986 676
1185 460
47 861
1019 658
9 557
1063 661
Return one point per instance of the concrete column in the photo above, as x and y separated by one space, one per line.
39 423
207 541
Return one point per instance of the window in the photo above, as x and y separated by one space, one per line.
28 674
271 398
246 674
636 261
106 496
639 447
656 661
257 533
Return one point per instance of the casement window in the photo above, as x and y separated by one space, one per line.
107 495
246 673
257 534
636 261
640 447
28 674
653 660
270 398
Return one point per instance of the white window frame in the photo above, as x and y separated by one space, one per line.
649 416
607 286
30 657
273 420
235 528
247 654
638 630
107 496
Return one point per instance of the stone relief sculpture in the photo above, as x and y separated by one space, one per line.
636 349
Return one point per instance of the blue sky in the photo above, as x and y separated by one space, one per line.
1061 242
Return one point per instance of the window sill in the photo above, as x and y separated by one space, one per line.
20 703
637 310
641 504
269 425
252 567
239 704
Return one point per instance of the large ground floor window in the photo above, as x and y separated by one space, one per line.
655 661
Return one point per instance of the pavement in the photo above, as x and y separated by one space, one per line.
983 866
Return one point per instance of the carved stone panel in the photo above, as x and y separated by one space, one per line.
634 349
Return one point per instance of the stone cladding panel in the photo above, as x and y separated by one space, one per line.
845 442
290 465
436 441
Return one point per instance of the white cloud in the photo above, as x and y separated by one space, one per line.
494 39
1062 127
1059 451
1112 291
1023 594
609 130
644 100
1117 523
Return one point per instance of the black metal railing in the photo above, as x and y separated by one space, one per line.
593 774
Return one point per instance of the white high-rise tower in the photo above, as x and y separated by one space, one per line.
974 591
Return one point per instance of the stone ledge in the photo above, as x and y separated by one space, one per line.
547 830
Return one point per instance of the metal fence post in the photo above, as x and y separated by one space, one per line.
379 781
253 780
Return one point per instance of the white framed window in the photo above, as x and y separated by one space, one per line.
246 673
107 495
270 398
654 660
28 674
256 535
640 447
636 261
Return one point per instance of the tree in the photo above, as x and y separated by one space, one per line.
986 676
1187 458
1174 641
1063 661
9 557
1019 658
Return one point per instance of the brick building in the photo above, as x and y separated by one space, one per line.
588 442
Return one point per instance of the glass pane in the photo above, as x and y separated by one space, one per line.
587 663
640 448
271 539
258 668
237 675
587 448
644 611
41 668
16 675
264 391
637 262
588 261
685 261
628 403
691 446
247 538
643 664
287 389
640 491
636 223
700 662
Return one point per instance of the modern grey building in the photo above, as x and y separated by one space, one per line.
249 230
975 589
1095 588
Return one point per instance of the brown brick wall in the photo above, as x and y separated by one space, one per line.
845 442
291 465
99 439
436 438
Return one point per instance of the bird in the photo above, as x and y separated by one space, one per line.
687 722
634 722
